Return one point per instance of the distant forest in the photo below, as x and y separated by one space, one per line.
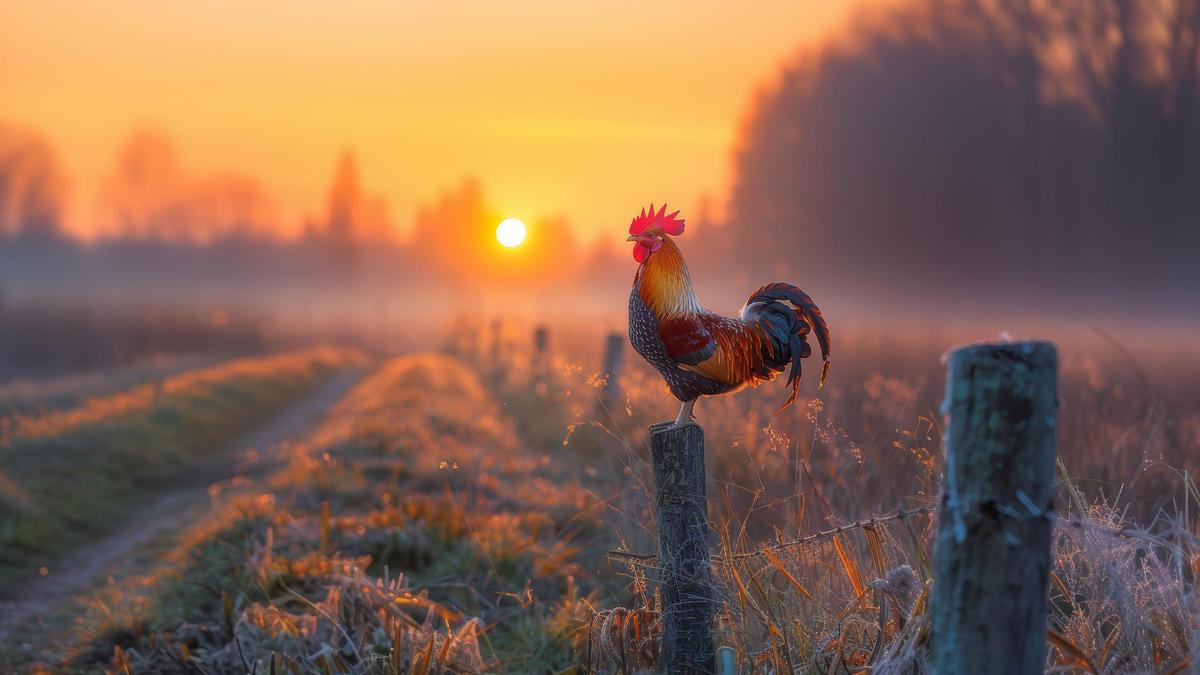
1015 147
1006 153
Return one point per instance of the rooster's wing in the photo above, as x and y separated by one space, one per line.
717 347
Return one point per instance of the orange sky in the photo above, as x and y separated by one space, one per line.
588 109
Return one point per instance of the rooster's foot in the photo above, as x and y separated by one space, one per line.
685 415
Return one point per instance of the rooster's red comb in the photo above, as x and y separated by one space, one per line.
662 221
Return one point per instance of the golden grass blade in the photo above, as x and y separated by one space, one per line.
444 652
1073 654
771 556
120 662
743 594
619 628
1061 586
397 649
921 604
851 567
875 546
325 527
421 665
468 628
1110 642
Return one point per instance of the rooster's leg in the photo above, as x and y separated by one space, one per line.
685 414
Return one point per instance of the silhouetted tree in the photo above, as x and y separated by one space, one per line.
1012 145
352 218
151 195
31 186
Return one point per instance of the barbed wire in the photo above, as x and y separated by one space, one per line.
874 520
650 560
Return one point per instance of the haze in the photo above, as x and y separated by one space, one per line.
579 108
187 179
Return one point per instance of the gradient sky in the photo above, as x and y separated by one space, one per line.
585 109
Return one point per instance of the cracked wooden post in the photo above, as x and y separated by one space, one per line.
685 576
992 557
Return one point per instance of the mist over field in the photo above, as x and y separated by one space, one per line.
1002 159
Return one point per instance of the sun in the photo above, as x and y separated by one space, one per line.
510 232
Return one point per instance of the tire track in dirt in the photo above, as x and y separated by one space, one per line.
122 554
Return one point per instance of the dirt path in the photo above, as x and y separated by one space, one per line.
131 549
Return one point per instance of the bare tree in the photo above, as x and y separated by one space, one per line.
152 195
32 187
1009 144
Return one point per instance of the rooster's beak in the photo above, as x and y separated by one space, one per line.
631 238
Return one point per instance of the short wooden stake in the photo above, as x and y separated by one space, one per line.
541 358
992 557
614 351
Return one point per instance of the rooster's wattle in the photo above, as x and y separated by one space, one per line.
700 353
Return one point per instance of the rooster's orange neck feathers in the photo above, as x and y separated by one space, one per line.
664 284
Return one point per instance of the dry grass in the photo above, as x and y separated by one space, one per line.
414 532
117 407
31 397
455 514
855 598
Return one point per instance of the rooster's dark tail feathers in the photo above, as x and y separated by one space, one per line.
789 327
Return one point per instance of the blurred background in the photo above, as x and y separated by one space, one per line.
216 216
182 179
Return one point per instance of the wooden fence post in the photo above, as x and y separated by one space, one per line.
992 557
681 510
614 350
497 339
541 359
497 356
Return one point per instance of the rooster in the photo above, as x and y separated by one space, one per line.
700 353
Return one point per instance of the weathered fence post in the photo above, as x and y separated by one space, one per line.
614 349
541 359
992 557
497 356
681 510
497 341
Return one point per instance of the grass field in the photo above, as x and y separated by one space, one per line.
31 397
413 527
70 473
458 513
